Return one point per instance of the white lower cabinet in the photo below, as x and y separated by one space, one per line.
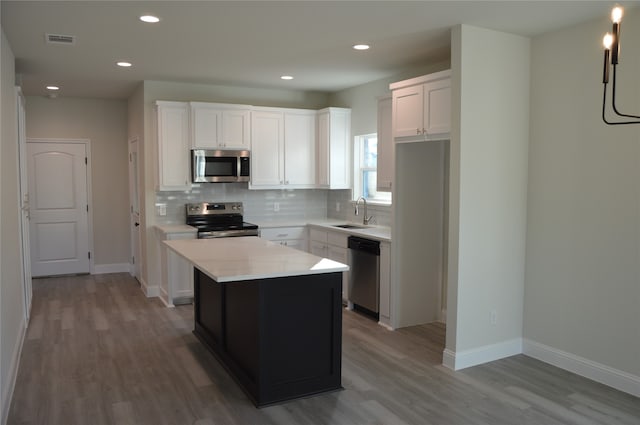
176 281
385 284
293 237
331 245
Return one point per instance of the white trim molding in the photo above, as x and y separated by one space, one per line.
595 371
148 290
12 373
476 356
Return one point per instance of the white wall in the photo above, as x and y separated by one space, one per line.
488 186
104 123
12 321
582 285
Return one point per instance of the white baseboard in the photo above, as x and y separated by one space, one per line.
606 375
488 353
148 290
111 268
7 392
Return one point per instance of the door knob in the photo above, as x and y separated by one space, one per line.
137 224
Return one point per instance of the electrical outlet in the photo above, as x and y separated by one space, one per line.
494 317
161 209
276 206
337 206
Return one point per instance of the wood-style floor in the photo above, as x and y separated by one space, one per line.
98 352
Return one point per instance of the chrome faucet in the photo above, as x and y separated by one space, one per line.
365 219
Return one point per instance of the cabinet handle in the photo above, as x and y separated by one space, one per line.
286 182
424 131
417 131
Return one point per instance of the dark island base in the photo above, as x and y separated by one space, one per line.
280 338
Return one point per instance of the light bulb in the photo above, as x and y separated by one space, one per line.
616 14
607 41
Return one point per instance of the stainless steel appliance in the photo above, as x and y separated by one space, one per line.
220 166
364 276
219 220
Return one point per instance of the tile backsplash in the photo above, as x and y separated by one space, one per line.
261 206
271 206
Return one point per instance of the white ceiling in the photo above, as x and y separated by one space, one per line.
252 43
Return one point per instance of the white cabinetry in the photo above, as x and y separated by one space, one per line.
386 155
334 148
173 145
385 284
176 281
334 246
293 237
215 125
267 169
422 108
283 148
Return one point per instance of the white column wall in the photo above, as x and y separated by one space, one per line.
488 186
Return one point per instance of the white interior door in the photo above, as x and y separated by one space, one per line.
57 175
134 195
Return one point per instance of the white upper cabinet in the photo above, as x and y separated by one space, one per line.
283 148
386 154
216 126
422 108
173 145
334 148
267 142
300 148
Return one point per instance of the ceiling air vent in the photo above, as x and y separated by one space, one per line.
60 39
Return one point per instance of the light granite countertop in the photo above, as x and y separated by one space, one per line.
247 258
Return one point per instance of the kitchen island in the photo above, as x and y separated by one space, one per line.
271 315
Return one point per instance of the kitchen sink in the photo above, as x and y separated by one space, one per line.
350 226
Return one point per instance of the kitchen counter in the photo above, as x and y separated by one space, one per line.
379 233
271 315
246 258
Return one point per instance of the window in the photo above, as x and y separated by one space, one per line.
365 167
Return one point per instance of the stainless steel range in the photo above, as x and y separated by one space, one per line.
219 220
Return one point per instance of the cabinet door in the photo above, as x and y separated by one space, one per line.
386 154
173 146
322 158
267 168
235 129
318 248
437 107
205 126
334 148
299 148
408 111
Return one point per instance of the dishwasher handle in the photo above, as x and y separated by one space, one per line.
366 245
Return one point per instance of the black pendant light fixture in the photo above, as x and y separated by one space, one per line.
611 53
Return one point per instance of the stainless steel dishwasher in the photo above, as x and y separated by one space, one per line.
364 276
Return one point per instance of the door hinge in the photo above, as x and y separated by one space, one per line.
87 207
86 161
133 260
89 255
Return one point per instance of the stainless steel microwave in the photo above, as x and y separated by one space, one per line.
219 166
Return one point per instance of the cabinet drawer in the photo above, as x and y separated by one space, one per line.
277 233
337 239
318 235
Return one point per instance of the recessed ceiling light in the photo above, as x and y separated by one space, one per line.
53 88
286 77
149 19
361 47
124 64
